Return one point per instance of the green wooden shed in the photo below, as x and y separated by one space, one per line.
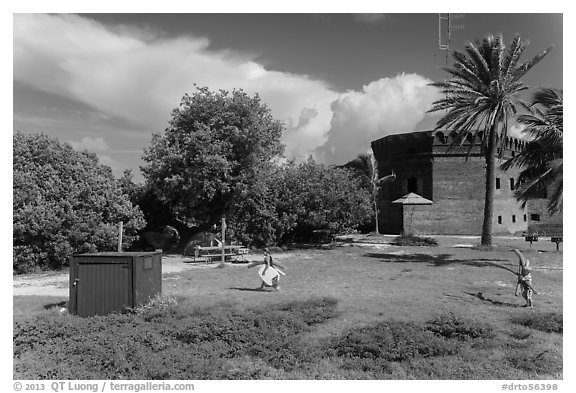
103 283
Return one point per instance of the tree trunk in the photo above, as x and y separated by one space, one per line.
490 186
376 212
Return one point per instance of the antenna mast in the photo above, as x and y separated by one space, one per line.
446 24
445 27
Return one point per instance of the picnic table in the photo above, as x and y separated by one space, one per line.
533 237
210 253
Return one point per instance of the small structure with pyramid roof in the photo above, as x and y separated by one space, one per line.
413 206
413 199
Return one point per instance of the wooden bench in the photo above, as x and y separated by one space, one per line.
531 237
557 240
322 236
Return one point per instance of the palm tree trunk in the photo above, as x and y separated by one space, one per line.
490 186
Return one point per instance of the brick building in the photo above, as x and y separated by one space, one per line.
448 188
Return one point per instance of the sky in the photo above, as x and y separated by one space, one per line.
107 82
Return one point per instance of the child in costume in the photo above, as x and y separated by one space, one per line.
269 262
524 279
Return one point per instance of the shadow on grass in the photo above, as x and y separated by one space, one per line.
481 296
436 260
310 246
52 305
247 289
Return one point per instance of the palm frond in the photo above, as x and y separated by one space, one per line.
512 57
542 156
548 97
481 65
520 71
555 201
496 58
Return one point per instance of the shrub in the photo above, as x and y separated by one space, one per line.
389 341
310 196
292 201
368 365
164 341
550 322
270 335
520 334
159 304
64 202
159 341
412 240
453 326
547 362
312 311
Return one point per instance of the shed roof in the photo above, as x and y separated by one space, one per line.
118 254
413 199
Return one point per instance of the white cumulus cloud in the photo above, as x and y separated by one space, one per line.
516 131
383 107
369 18
140 77
90 143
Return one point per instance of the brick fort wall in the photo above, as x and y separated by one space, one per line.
453 178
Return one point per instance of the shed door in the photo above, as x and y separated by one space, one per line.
103 288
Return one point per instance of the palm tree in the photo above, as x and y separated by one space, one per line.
368 166
480 97
542 159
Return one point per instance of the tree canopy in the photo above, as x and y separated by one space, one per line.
217 145
542 160
319 197
296 199
64 202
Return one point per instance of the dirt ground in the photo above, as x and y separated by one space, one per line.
57 283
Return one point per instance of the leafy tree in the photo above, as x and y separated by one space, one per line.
129 188
295 199
64 202
253 219
156 214
542 159
312 196
216 147
480 97
366 165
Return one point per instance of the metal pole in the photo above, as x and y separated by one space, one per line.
223 239
120 230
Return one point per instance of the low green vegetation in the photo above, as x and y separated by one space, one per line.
413 240
453 326
166 340
549 322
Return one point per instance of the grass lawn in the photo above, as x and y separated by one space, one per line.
408 283
377 298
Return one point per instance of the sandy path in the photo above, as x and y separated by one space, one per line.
57 283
